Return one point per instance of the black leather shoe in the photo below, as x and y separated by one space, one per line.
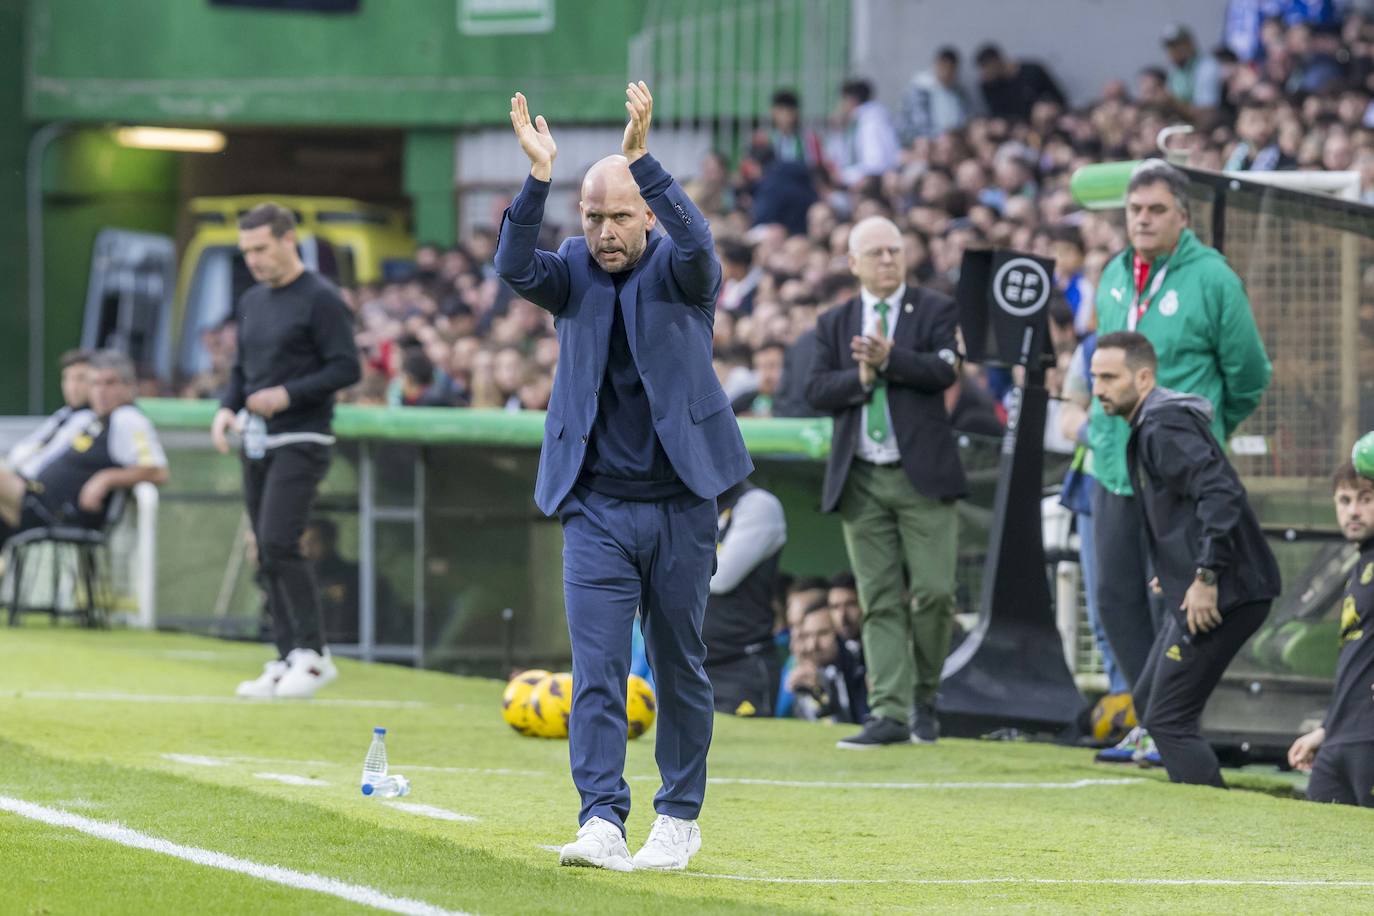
925 724
877 732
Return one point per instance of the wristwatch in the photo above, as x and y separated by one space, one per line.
1205 576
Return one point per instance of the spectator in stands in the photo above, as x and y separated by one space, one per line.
786 138
767 365
740 275
828 682
971 407
1194 78
1183 297
1339 753
1259 149
417 382
1214 569
1011 88
1069 277
936 101
509 374
866 146
741 661
843 600
883 362
75 368
112 446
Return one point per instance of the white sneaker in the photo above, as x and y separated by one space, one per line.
672 842
599 844
264 686
308 672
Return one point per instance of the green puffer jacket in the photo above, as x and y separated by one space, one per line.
1203 332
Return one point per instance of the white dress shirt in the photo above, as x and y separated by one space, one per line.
879 452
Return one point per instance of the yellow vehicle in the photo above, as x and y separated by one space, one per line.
349 241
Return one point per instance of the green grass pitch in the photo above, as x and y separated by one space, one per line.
141 730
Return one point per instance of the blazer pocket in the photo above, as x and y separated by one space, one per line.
712 403
553 426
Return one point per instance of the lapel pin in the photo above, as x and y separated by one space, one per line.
908 308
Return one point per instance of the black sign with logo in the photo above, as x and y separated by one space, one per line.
1004 301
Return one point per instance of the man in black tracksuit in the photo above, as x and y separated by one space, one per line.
1217 575
741 657
1340 753
295 350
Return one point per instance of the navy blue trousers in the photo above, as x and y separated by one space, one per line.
658 557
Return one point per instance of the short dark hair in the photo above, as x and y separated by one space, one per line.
771 344
1157 171
78 357
418 366
989 53
736 251
815 608
949 54
1347 476
1156 73
860 90
1139 351
278 217
806 584
843 579
1068 235
785 98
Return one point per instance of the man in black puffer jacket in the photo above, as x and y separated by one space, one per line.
1214 569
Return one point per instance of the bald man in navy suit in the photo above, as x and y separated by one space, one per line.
638 443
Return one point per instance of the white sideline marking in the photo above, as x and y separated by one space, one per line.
86 696
1113 882
550 848
817 784
291 780
118 833
439 814
194 760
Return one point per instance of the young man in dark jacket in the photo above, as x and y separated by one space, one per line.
1214 569
1340 752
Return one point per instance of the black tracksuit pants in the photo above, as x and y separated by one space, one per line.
1344 774
1180 675
279 489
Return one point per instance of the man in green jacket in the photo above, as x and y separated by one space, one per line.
1186 300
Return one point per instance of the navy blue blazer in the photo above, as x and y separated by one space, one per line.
669 308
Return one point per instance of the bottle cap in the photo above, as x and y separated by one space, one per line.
367 788
379 731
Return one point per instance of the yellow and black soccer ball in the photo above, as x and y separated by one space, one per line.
640 706
515 701
551 705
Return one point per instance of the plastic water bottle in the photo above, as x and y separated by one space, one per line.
254 437
388 786
374 765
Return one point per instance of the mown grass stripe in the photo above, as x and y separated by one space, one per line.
125 836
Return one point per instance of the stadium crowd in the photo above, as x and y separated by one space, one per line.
969 159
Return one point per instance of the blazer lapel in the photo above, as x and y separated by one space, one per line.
904 334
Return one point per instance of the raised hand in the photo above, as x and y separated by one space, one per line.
534 138
640 104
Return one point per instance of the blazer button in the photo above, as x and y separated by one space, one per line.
584 440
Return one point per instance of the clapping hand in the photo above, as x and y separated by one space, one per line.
534 138
640 104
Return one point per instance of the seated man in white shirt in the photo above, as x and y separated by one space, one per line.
113 448
75 366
